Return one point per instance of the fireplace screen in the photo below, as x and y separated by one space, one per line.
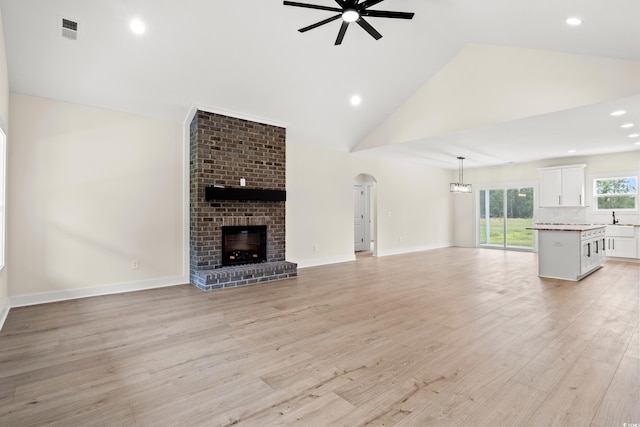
244 244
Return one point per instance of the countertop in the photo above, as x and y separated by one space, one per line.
566 227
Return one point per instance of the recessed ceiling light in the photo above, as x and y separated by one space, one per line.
350 15
574 21
627 125
618 113
634 135
356 100
572 151
137 26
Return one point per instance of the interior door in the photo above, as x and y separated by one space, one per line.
359 223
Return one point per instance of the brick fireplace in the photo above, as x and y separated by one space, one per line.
225 150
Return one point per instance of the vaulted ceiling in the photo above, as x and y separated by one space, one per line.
494 81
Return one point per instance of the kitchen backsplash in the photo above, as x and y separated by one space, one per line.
582 216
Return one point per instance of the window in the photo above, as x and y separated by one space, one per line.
618 193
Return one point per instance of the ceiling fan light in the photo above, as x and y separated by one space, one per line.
350 15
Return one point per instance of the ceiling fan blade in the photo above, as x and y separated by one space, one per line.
312 6
368 3
387 14
341 33
317 24
369 29
341 3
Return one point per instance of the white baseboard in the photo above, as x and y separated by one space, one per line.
409 250
462 245
4 312
325 261
46 297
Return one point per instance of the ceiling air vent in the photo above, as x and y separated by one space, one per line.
69 29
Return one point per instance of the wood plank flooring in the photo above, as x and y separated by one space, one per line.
450 337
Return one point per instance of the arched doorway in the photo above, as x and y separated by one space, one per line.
364 214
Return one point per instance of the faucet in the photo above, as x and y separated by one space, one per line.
615 221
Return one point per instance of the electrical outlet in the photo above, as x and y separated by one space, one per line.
134 264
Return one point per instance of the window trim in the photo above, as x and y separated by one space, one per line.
618 175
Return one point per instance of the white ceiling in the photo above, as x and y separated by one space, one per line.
247 57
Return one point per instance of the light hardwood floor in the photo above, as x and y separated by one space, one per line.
464 337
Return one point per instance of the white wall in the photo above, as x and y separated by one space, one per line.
413 205
464 206
319 206
4 120
90 190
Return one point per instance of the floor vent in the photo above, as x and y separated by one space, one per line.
69 29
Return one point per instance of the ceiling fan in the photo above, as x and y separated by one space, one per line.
351 11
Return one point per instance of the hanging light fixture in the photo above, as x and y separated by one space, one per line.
460 186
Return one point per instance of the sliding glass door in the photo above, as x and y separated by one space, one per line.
505 215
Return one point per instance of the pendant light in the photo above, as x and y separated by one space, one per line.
460 186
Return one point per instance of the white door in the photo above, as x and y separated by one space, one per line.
360 225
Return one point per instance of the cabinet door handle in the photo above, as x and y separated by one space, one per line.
589 250
559 200
603 244
597 247
580 199
613 244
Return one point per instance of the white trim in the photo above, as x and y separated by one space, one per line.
324 261
462 245
581 165
235 114
186 192
4 312
507 185
409 250
47 297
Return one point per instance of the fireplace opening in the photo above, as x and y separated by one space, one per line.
244 244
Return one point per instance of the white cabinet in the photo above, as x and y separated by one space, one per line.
562 186
569 254
593 251
573 186
621 241
550 187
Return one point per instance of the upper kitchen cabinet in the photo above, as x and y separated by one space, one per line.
562 186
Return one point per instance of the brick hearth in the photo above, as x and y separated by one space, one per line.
224 150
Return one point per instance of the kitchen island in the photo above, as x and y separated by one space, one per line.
570 251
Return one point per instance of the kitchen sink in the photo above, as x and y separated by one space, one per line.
620 230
